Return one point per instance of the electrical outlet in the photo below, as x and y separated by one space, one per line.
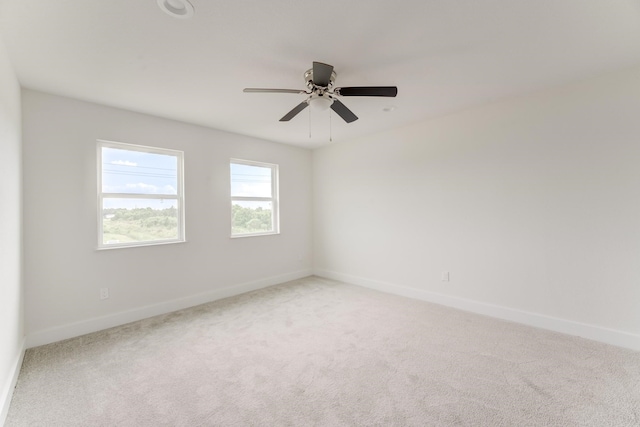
104 293
445 276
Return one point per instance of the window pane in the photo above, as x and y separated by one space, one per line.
139 220
130 171
250 217
250 181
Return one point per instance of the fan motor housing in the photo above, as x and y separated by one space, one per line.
308 79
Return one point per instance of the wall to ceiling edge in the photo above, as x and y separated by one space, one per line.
531 204
63 269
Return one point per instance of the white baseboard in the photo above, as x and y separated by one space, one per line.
12 380
569 327
72 330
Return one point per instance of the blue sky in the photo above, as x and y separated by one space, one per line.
126 171
250 181
130 172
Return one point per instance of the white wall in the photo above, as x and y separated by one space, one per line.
11 295
63 269
531 204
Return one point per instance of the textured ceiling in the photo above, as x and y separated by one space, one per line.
444 55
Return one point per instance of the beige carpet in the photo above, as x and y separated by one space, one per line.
320 353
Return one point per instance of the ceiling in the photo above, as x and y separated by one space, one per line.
444 56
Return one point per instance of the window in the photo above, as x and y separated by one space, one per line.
254 198
140 195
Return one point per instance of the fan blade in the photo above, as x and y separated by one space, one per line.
322 74
346 114
291 114
259 90
389 91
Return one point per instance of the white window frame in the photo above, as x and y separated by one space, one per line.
179 197
274 199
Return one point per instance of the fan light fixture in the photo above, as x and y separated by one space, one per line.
321 103
180 9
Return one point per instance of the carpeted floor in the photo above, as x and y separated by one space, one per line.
314 352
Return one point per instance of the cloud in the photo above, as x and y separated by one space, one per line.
123 163
145 188
255 189
140 188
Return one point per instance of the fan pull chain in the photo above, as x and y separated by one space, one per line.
330 130
309 123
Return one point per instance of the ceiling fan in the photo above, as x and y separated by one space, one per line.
320 91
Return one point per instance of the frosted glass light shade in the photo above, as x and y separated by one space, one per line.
321 103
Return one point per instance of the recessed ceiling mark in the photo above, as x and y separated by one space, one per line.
181 9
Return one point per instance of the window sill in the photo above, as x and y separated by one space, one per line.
241 236
139 245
